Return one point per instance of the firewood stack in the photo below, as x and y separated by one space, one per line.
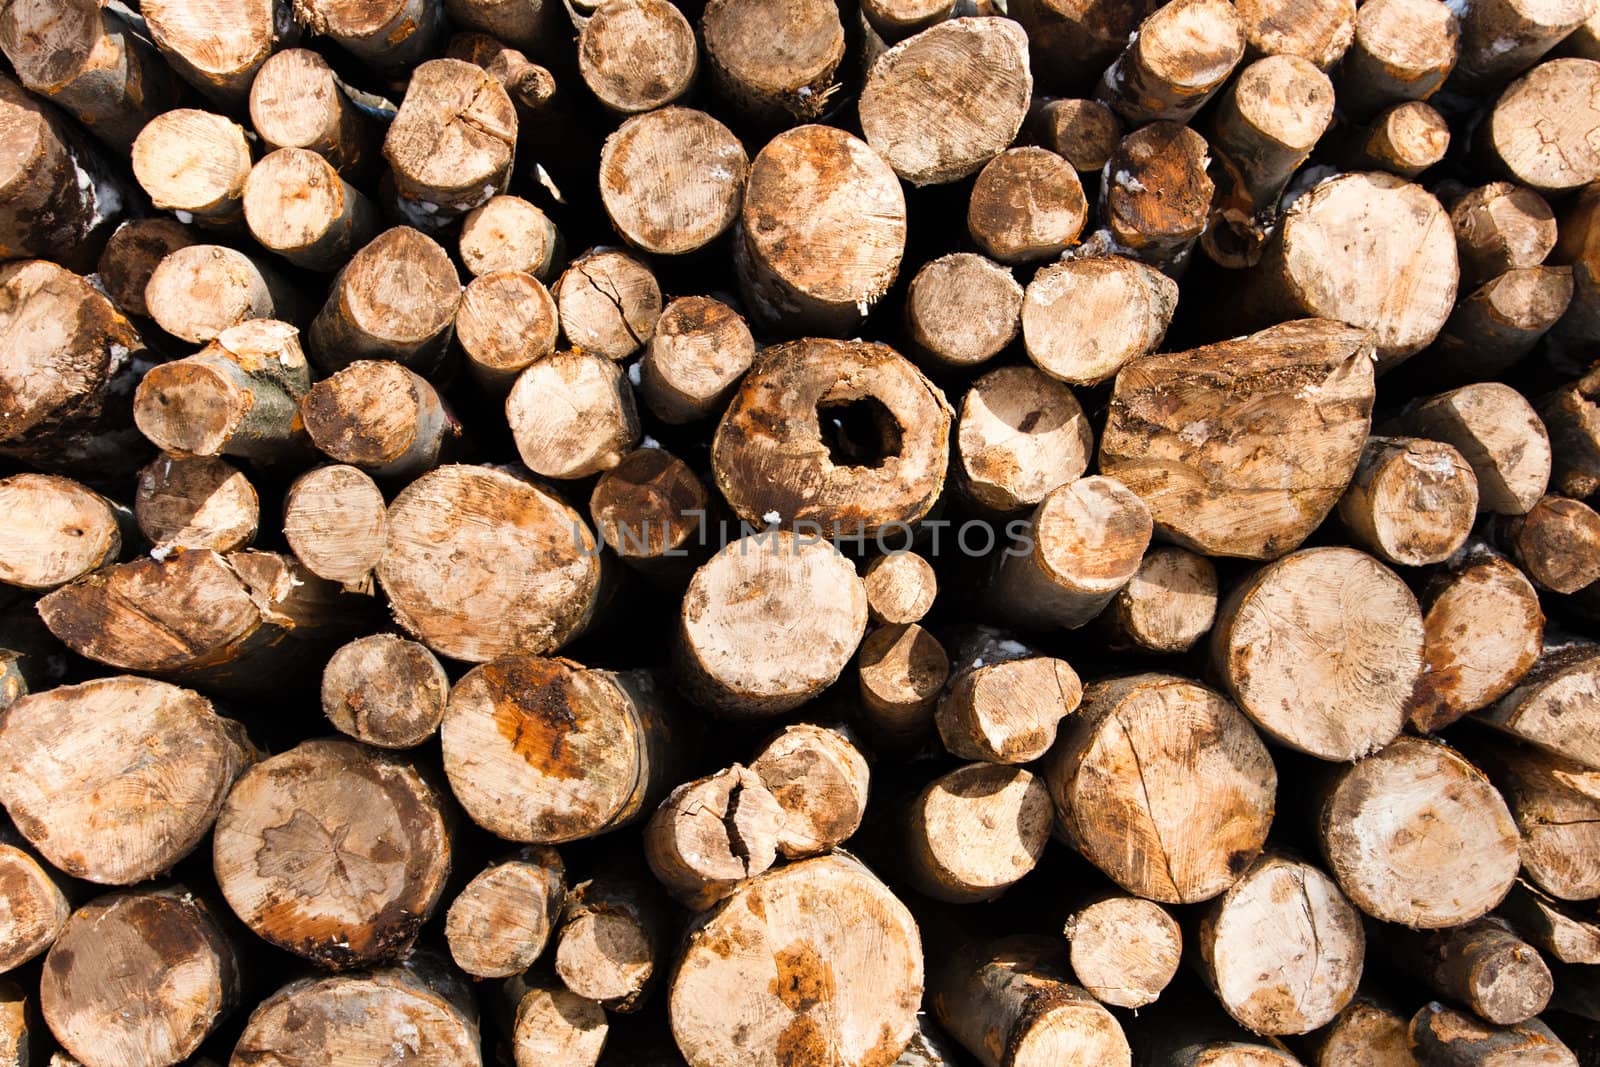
784 533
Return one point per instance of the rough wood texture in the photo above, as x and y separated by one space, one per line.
451 144
838 437
1181 56
637 55
1482 965
1163 785
1003 702
1123 949
174 760
296 102
1559 931
217 47
1260 443
973 833
1282 948
649 509
1557 543
1551 705
700 349
610 940
1498 433
1520 139
1366 1033
1450 1037
1411 502
1403 50
833 970
1167 605
53 530
821 231
1320 31
1157 200
1405 140
555 1027
546 750
1083 132
800 612
671 180
532 87
388 35
1502 321
521 23
1416 835
774 77
196 502
572 415
194 164
36 907
1573 424
499 924
1502 38
1021 435
200 291
385 691
711 834
380 417
395 299
901 671
333 519
1501 227
609 303
895 19
139 979
1075 41
333 851
1083 319
819 778
1556 803
523 575
296 205
901 587
962 310
1027 205
507 321
509 233
132 254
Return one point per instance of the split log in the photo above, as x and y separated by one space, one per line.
1557 543
1482 965
1158 197
973 833
1168 604
71 362
819 779
1282 948
223 623
1124 950
1550 159
425 1013
901 671
650 510
1083 132
36 907
768 623
547 751
1083 319
524 571
837 977
1179 773
834 436
1556 929
132 254
1498 433
1551 706
821 231
391 36
239 396
1405 140
333 851
507 321
1482 630
296 205
712 834
296 101
218 47
1556 803
901 587
1503 320
1010 1004
139 979
700 349
554 1027
1252 461
174 760
1073 42
1320 31
610 940
500 923
1452 1038
1366 1033
774 77
1502 38
671 179
1004 702
1501 227
1027 205
194 164
452 143
1333 256
1417 836
1573 424
609 303
333 519
90 62
1080 546
385 691
381 418
508 233
199 292
572 415
58 197
638 55
1020 437
1412 501
53 530
1403 50
962 310
200 502
1181 55
367 317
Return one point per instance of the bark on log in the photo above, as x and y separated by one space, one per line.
1178 772
1021 436
333 851
1559 931
334 521
1450 1037
36 907
200 291
774 78
218 47
385 691
201 502
1124 950
1073 42
1498 433
1083 132
368 317
712 834
821 231
1573 424
139 979
845 436
296 101
700 349
531 87
508 233
54 530
1502 321
1195 1033
973 833
194 164
1412 502
671 180
962 310
173 758
1168 604
1403 50
1027 205
1416 835
1182 54
381 418
572 415
1502 38
90 62
1320 31
649 510
296 205
819 778
1551 707
1482 965
1517 139
1405 140
610 942
132 254
901 671
547 751
838 978
1557 543
1282 948
1501 227
1083 319
1003 702
637 55
1157 198
609 303
500 923
390 36
452 143
554 1027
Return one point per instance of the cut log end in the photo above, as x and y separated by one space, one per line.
53 530
333 519
500 923
1124 950
976 831
385 691
963 309
624 73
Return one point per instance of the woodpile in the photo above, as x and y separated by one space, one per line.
799 533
